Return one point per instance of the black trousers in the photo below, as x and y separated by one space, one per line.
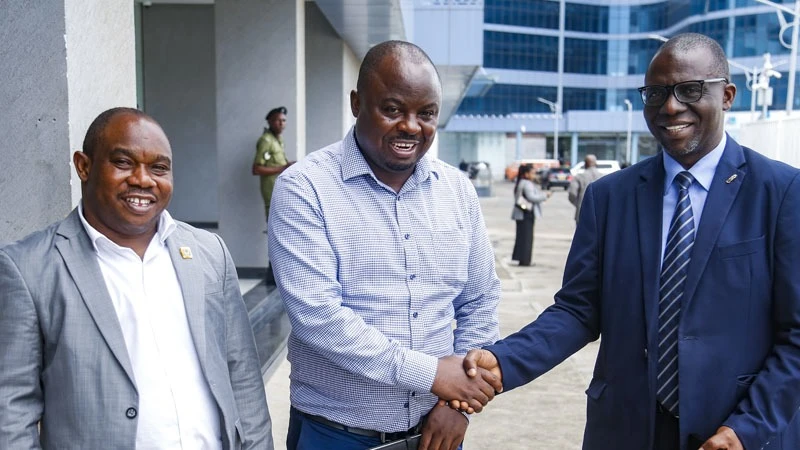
523 244
667 435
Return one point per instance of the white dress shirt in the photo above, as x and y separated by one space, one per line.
176 408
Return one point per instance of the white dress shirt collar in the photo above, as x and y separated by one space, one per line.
702 171
166 226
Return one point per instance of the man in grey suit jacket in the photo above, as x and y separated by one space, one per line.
120 327
577 188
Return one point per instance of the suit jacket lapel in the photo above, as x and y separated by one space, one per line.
718 203
192 282
78 254
649 202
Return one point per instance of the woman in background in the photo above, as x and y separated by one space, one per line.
527 207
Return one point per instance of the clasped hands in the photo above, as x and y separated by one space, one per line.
468 384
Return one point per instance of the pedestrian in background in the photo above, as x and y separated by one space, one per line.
527 208
577 188
270 161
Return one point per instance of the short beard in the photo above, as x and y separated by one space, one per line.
398 167
690 148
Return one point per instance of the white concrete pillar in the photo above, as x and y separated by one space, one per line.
63 63
260 64
331 73
573 150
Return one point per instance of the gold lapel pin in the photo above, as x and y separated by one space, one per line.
730 179
186 252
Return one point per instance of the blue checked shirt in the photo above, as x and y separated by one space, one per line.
372 281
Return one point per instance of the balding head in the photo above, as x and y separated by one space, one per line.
687 42
589 161
99 124
406 51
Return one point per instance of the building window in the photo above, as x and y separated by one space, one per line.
585 56
520 51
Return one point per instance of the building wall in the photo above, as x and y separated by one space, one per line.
63 62
777 138
260 48
350 66
327 90
179 68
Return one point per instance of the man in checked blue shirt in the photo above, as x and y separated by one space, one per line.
378 248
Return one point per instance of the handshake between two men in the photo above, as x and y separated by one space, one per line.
468 384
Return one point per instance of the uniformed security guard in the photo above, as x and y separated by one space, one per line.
270 161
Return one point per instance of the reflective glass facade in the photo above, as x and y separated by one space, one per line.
520 51
598 53
511 98
544 14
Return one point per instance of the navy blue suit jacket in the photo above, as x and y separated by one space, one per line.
739 335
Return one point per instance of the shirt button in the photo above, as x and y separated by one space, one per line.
412 277
407 236
415 315
405 405
130 413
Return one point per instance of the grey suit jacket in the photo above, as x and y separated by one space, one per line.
64 361
533 195
577 188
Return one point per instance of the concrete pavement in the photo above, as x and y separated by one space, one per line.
548 413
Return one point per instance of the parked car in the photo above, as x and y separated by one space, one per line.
513 169
604 166
559 176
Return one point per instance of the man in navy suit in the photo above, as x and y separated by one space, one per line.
687 265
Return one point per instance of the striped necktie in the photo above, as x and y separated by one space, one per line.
680 241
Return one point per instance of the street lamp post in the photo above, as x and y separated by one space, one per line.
751 77
562 18
630 124
766 72
555 110
657 37
520 131
793 61
793 46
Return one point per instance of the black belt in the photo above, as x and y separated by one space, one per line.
384 437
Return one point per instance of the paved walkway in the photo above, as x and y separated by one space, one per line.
548 413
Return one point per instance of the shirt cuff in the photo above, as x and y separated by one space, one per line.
418 371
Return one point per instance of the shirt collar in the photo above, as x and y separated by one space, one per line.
354 164
166 226
702 171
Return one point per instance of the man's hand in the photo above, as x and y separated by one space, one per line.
486 360
452 383
483 363
725 439
444 429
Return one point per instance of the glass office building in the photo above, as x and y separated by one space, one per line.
607 47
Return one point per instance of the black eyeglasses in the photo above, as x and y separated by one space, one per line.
684 92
